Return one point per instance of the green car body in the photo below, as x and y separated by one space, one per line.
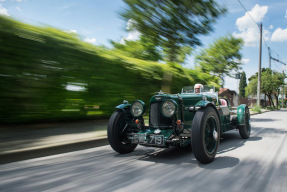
198 120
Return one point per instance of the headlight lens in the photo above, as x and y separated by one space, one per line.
168 108
137 108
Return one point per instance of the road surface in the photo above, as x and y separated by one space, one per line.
257 164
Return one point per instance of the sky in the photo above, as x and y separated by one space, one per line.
98 22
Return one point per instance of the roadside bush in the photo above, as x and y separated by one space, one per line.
256 108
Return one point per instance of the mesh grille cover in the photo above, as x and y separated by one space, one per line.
156 118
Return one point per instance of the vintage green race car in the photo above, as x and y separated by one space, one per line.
189 118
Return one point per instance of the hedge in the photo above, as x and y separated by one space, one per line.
38 63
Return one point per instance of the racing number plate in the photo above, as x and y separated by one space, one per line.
152 140
156 140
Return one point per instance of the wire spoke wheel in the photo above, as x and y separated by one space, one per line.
205 134
210 141
124 129
118 130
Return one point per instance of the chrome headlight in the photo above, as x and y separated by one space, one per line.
137 108
168 108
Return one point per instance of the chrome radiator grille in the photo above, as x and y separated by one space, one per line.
156 118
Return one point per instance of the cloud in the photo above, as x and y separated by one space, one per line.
244 61
133 34
90 40
71 31
19 0
286 14
130 24
18 8
279 35
248 30
3 11
271 27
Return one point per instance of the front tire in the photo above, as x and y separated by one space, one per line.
205 134
117 133
244 130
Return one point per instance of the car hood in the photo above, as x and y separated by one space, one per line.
185 97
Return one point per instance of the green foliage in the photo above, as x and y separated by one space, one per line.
221 57
141 49
37 64
256 74
181 55
242 84
251 89
257 109
271 81
174 24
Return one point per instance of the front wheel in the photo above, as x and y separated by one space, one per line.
205 134
117 133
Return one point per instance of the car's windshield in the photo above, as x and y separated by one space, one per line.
203 89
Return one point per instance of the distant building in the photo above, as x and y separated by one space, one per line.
231 95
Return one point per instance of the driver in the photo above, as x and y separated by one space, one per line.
197 88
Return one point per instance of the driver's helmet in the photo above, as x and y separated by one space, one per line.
198 88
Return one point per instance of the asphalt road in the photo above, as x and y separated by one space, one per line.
256 164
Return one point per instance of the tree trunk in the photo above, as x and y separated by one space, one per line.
167 76
271 100
277 103
265 100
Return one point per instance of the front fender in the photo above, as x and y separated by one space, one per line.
241 114
122 106
202 103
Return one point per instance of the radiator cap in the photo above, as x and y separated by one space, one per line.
157 131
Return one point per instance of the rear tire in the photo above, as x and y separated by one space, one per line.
117 139
244 130
205 134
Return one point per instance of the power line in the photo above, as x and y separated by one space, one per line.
265 42
262 36
253 21
248 13
276 54
277 67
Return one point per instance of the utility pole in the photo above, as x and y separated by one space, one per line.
259 70
283 89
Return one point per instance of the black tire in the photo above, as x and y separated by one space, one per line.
244 130
204 143
117 139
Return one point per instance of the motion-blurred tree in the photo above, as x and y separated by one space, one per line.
175 24
141 49
221 57
242 84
